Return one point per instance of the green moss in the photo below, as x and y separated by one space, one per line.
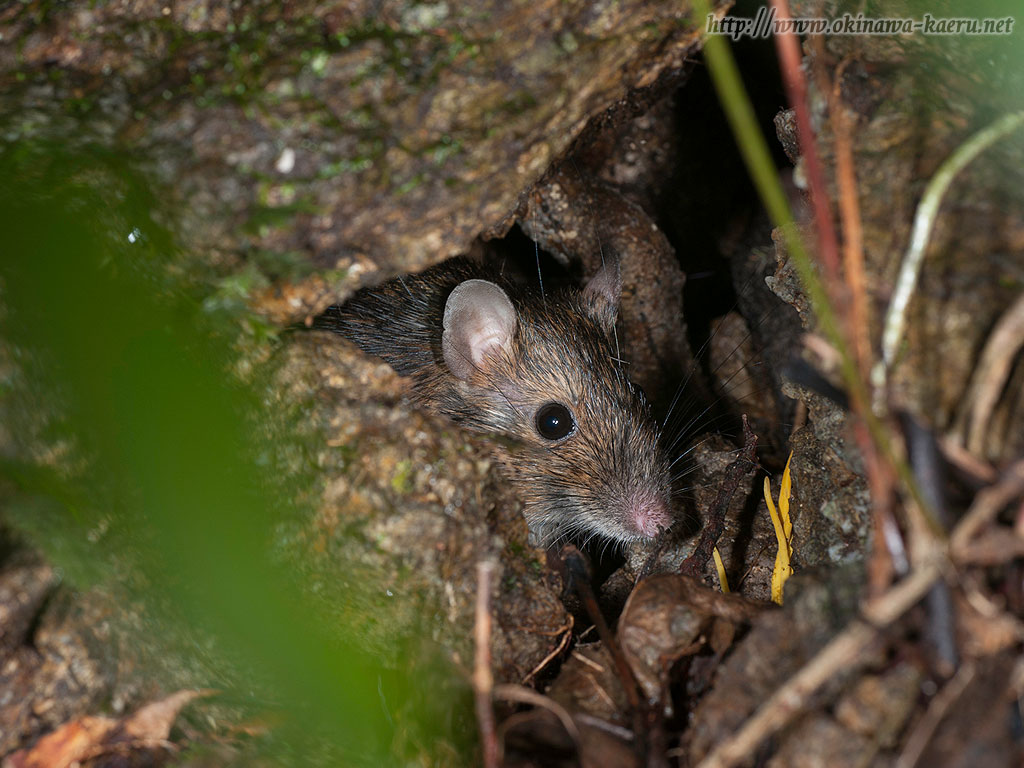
233 292
411 184
260 330
265 217
417 56
348 453
518 101
344 166
445 148
281 265
401 482
1009 281
78 107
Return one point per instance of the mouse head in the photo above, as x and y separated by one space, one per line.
586 459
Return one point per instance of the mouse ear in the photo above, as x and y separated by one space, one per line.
602 293
479 321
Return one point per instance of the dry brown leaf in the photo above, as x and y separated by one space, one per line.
154 720
63 746
90 736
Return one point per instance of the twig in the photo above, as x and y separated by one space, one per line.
888 557
574 564
986 506
990 375
925 728
940 630
523 695
603 725
483 679
845 652
646 721
740 467
587 662
566 633
993 548
600 690
924 222
888 553
977 472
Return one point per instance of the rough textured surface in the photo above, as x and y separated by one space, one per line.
66 666
374 138
412 503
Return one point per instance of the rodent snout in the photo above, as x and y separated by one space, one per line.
647 514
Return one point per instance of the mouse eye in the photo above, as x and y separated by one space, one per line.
554 421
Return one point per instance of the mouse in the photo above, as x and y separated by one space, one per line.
539 371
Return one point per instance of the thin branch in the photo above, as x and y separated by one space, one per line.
483 679
978 472
888 553
925 728
849 211
986 506
523 695
740 468
566 633
990 375
575 566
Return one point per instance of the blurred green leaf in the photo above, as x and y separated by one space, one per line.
140 384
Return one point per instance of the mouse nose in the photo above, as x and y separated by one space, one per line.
648 513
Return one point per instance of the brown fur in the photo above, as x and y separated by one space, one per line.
580 485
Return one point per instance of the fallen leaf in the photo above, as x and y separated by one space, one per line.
90 736
65 745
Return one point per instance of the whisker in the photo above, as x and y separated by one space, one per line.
667 424
540 278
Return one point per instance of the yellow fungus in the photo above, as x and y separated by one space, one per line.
722 580
783 531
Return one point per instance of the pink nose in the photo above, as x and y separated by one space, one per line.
647 514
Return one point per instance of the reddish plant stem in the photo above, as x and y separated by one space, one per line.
849 211
796 92
483 680
881 567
